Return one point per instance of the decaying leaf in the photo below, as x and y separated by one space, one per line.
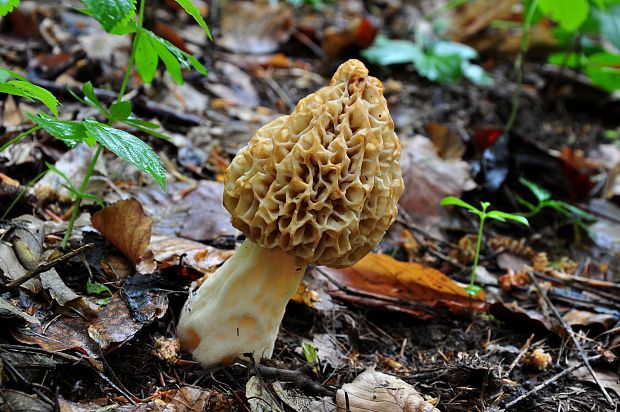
113 325
602 321
185 399
429 178
251 27
378 392
126 226
389 284
12 269
9 310
16 401
260 398
167 252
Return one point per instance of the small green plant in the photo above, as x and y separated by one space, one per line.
544 200
311 355
117 17
482 214
96 288
589 31
437 60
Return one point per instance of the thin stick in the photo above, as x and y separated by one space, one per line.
569 329
548 382
47 266
524 349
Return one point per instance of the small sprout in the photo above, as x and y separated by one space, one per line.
482 214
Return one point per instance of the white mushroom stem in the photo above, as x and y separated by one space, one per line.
238 309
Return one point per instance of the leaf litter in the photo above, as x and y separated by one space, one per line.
382 328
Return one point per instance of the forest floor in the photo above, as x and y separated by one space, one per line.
100 332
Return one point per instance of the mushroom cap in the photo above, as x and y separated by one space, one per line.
323 182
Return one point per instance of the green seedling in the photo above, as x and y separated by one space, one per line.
311 355
96 288
482 214
543 197
118 17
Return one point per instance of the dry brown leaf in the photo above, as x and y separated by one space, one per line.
449 146
378 392
428 178
113 325
590 319
383 277
126 226
253 27
167 252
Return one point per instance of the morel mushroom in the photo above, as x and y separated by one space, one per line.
317 186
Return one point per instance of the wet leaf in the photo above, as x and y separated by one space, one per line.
111 13
381 276
15 401
126 226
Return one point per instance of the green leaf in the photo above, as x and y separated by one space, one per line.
7 6
503 216
193 11
28 90
91 98
442 69
128 147
449 48
185 59
110 13
96 288
538 192
120 111
569 14
6 74
135 121
473 290
609 23
170 61
71 133
385 51
572 60
476 74
455 201
577 212
604 70
146 57
310 353
147 130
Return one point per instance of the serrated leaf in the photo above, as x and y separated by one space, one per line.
569 14
120 111
538 192
193 11
110 13
455 201
7 6
128 147
146 57
26 89
503 216
72 133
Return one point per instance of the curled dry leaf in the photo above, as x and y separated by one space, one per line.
429 178
126 226
378 392
389 284
167 252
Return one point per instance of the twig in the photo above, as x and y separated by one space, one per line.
47 266
297 377
548 382
522 353
569 329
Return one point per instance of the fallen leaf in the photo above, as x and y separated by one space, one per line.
300 402
390 284
449 146
126 226
600 321
113 326
609 379
428 178
328 351
260 398
16 401
12 269
251 27
9 310
168 250
378 392
525 319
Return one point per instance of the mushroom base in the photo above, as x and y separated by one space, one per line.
238 309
